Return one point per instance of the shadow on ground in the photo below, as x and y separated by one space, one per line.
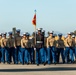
40 69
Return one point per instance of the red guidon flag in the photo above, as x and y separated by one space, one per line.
34 20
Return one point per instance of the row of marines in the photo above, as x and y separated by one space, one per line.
23 49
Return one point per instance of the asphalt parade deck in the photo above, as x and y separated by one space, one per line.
58 69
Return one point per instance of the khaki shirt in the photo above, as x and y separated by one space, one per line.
18 41
25 43
51 41
65 44
11 42
69 42
4 42
60 43
0 41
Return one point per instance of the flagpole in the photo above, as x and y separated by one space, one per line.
35 39
35 35
35 30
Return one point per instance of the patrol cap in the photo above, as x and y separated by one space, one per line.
43 30
21 34
39 29
27 34
65 36
24 33
73 36
10 33
54 35
18 30
69 33
0 34
5 33
51 32
60 34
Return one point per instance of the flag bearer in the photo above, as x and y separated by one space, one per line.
39 47
43 50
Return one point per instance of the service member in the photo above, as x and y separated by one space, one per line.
39 48
17 46
4 45
51 48
75 48
60 48
30 47
43 51
25 48
0 47
11 48
74 44
69 49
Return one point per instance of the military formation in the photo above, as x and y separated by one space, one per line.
27 49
